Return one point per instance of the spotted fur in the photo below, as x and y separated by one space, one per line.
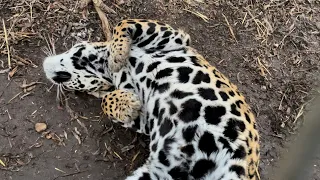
121 105
199 124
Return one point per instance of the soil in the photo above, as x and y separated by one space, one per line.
269 49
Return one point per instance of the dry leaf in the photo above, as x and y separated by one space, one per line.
40 127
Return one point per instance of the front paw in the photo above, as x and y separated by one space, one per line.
121 105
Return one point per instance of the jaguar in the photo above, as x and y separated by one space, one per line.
199 124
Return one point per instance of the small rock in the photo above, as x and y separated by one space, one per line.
40 127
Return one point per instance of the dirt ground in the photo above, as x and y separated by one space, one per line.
270 49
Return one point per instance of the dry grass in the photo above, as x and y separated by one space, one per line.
278 39
281 28
11 36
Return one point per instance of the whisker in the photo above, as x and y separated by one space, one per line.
64 88
61 89
58 93
62 96
46 51
49 49
49 89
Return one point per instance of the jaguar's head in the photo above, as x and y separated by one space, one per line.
84 67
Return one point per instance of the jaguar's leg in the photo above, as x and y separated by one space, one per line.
149 35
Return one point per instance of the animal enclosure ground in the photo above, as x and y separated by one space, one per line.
269 49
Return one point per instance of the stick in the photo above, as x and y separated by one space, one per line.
230 28
105 23
7 43
71 174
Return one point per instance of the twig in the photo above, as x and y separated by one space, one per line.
104 20
254 19
5 88
284 37
117 155
203 17
25 61
277 136
14 97
262 33
7 111
31 84
262 67
103 6
133 159
230 28
71 174
283 96
7 43
27 94
300 112
244 18
9 142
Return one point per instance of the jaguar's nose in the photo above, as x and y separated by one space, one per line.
61 76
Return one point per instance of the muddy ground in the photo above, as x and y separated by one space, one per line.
270 49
